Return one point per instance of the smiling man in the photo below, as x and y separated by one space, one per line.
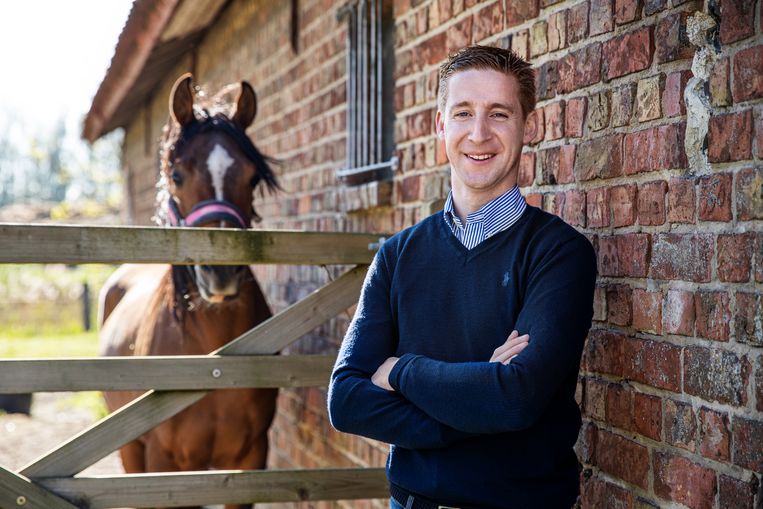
465 347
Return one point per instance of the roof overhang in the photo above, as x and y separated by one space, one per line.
157 33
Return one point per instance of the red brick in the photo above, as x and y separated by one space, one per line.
712 315
654 363
566 173
686 257
518 12
534 199
716 375
715 197
749 194
681 200
759 131
546 78
651 203
409 188
599 304
619 408
758 265
526 175
487 21
574 207
577 22
678 479
673 97
549 165
647 415
433 50
557 31
619 304
600 17
587 68
720 92
585 447
759 385
737 20
679 313
747 320
652 149
419 124
715 435
595 399
647 311
734 257
597 207
627 11
575 115
600 157
680 425
627 53
604 352
598 493
554 117
671 40
520 44
653 6
459 35
598 111
730 137
736 494
565 69
624 255
748 443
622 458
623 201
622 104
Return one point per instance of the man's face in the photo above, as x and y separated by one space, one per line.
483 127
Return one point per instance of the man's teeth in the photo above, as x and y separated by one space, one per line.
480 157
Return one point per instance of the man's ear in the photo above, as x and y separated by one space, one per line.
531 125
439 124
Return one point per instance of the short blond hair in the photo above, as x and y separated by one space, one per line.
490 58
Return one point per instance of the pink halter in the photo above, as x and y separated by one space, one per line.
205 211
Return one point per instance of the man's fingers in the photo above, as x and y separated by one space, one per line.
506 356
513 340
503 351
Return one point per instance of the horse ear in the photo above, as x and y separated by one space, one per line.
246 106
181 100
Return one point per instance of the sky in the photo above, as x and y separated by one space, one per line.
53 56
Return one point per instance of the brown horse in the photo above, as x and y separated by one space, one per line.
209 170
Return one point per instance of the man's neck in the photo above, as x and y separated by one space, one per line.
466 201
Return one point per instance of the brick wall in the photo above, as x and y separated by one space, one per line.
671 197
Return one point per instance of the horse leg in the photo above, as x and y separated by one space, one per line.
255 459
134 457
158 460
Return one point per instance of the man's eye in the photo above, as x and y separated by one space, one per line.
461 114
500 115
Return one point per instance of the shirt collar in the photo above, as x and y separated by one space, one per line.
496 215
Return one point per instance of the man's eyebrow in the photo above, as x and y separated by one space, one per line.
491 106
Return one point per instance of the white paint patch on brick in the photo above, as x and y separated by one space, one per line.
218 162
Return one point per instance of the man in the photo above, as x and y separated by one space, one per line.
474 419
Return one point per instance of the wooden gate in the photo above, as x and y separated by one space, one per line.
174 383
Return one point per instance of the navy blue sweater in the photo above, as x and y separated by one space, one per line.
465 431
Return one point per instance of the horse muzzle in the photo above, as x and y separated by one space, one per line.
219 283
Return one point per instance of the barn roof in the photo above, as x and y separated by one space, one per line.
156 34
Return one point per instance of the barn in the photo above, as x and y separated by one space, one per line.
651 145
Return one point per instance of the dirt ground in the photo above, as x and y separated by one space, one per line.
25 438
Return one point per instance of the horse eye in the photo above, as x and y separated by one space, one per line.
177 178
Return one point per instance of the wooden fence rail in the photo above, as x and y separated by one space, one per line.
177 382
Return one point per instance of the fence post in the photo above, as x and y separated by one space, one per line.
86 306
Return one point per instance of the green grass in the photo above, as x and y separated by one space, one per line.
83 344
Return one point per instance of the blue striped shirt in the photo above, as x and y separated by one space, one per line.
495 216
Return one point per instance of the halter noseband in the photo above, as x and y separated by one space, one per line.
205 211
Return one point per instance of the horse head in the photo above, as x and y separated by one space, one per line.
210 169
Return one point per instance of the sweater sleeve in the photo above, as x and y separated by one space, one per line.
485 397
358 406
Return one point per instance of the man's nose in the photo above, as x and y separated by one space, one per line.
480 131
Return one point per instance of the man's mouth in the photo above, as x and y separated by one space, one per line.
480 157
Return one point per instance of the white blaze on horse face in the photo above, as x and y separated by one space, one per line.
218 162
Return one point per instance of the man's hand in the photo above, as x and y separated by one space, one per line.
511 348
381 377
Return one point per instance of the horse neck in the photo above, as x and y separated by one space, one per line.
211 326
